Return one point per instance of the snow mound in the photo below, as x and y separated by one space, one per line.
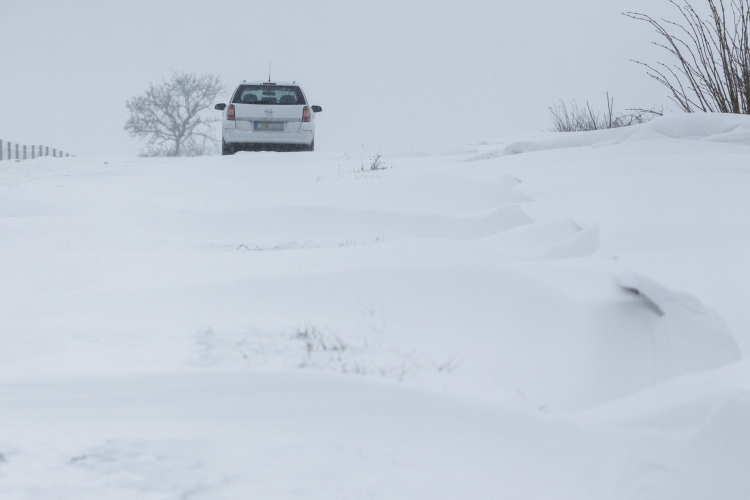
311 348
181 327
654 336
711 127
281 228
689 337
580 342
674 430
555 240
430 193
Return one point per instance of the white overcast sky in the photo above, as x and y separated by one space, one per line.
390 74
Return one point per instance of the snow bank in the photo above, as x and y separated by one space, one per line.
690 338
700 427
708 127
566 325
554 240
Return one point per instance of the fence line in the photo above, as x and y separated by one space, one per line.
15 151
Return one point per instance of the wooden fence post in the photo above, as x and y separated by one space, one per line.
22 151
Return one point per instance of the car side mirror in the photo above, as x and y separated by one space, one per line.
317 109
220 106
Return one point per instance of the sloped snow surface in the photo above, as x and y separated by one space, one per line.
544 317
698 127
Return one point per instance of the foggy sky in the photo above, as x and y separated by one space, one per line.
390 74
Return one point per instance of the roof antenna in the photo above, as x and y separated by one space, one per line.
269 71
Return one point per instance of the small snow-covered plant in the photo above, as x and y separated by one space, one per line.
315 340
378 163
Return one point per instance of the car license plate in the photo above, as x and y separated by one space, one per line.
269 126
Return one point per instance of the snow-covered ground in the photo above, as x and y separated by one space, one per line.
545 317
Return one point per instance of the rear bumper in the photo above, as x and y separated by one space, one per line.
234 136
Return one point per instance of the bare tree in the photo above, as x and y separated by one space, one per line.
576 118
171 116
712 68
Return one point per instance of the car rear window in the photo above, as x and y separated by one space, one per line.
269 94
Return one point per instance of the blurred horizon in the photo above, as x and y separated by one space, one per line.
389 75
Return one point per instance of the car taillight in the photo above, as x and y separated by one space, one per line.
306 114
230 112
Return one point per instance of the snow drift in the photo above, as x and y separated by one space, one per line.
562 317
699 127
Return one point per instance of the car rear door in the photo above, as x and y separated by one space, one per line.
268 108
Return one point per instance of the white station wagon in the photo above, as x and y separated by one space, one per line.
268 116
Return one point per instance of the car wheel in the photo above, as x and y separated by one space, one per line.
227 149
